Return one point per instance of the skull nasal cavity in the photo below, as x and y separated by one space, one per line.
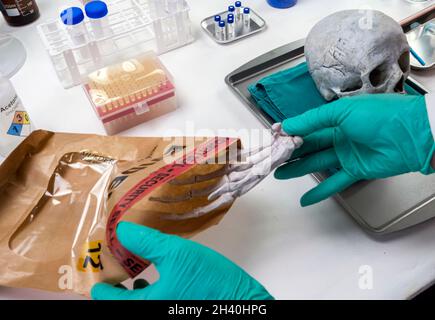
354 86
378 75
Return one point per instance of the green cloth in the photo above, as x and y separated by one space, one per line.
290 92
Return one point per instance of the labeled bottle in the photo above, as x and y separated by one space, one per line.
230 29
217 19
19 12
239 10
15 123
247 17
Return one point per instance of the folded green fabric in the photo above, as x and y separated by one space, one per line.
290 92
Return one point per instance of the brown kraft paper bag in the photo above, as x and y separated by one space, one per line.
62 195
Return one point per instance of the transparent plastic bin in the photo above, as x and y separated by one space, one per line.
134 26
131 92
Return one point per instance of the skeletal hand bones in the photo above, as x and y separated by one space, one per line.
238 179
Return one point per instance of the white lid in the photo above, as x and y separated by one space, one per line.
12 55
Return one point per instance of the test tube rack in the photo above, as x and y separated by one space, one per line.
256 25
134 26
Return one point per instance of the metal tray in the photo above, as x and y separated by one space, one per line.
380 206
257 25
420 33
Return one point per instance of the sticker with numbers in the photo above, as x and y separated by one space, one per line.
90 257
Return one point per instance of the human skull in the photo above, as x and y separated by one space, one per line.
357 51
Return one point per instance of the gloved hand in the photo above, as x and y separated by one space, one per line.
188 270
366 137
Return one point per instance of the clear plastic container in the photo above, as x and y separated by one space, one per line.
133 27
129 93
97 12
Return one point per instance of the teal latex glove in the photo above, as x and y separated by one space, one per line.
188 270
366 137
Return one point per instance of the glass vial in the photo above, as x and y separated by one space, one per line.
19 12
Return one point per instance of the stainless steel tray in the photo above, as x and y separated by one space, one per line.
257 25
420 32
380 206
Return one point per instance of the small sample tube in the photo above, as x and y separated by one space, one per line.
222 34
246 17
217 19
230 16
231 10
73 18
97 12
239 10
230 29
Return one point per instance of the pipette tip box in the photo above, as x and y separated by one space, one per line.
129 93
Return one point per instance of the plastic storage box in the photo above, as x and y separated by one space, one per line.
126 94
133 27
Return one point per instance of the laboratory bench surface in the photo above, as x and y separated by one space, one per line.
317 252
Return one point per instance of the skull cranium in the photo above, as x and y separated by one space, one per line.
357 51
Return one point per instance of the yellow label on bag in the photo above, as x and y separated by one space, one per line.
90 258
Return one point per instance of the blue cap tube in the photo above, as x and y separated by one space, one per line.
231 9
217 18
238 4
96 9
282 4
72 16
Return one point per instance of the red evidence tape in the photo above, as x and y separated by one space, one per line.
131 263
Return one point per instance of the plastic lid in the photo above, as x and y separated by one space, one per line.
246 10
222 24
230 15
12 55
217 18
72 16
238 4
230 20
231 9
96 9
282 4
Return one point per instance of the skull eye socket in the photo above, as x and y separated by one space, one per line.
404 61
378 76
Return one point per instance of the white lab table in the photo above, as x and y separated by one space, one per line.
297 253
